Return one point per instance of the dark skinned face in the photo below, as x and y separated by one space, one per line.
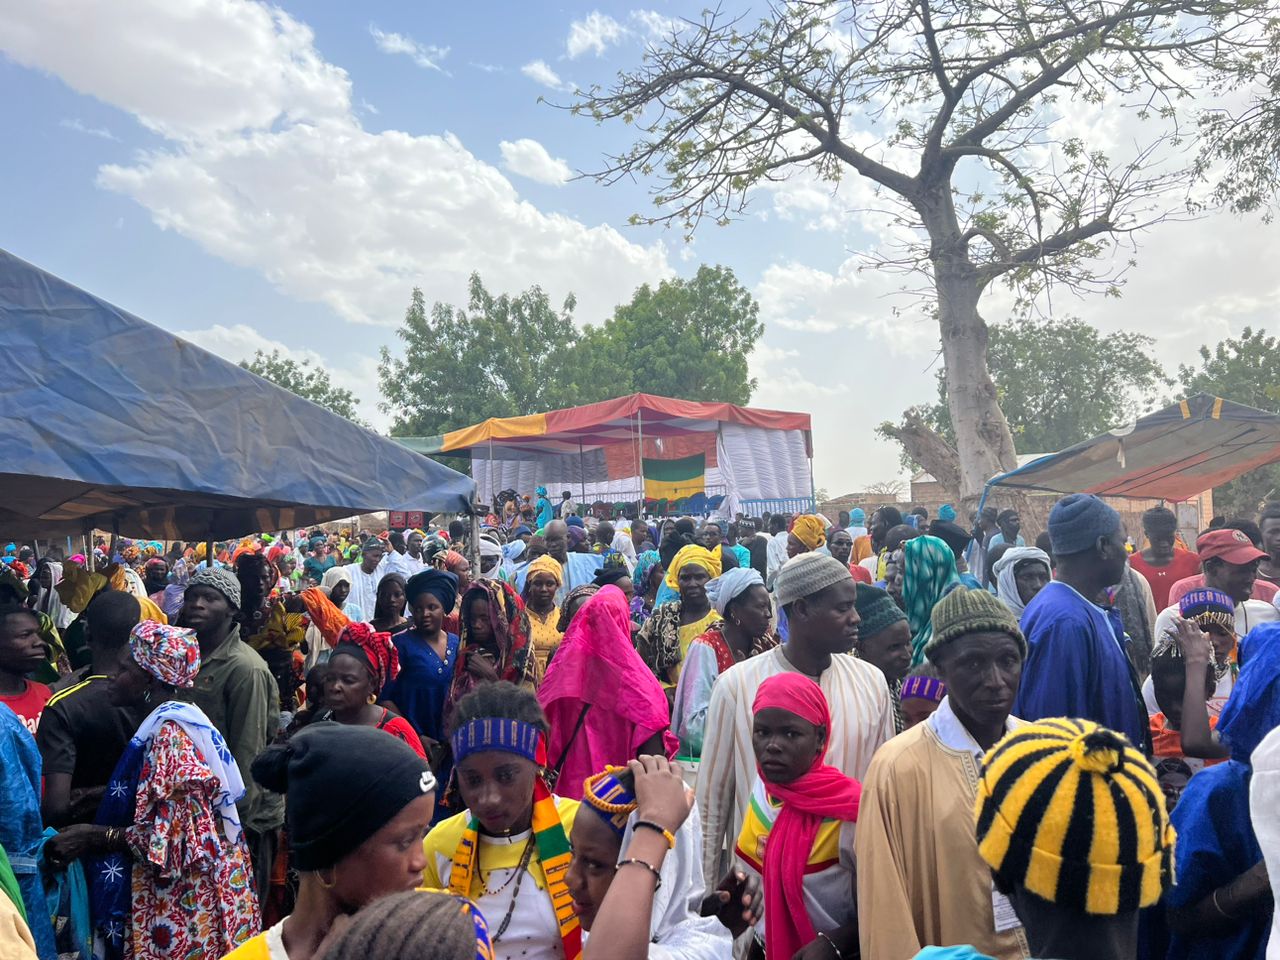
1009 528
498 788
390 861
785 745
981 671
204 608
795 546
371 556
893 577
1233 579
711 536
541 588
129 683
414 545
917 710
558 543
1161 544
21 649
841 546
594 863
339 592
1271 536
347 685
1031 576
480 624
890 650
751 610
392 597
693 584
830 617
427 614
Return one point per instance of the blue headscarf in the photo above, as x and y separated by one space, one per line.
644 566
1253 709
947 513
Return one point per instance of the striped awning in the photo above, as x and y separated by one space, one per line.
604 424
1172 454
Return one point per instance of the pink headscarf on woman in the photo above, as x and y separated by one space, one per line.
596 665
821 792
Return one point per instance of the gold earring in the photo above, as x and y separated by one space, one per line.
373 698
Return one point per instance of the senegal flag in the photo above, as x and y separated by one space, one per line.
675 479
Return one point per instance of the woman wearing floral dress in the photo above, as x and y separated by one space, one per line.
167 864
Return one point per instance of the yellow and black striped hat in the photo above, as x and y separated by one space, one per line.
1073 813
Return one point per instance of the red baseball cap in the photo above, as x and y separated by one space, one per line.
1233 546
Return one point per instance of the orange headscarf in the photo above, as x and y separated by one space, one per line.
328 619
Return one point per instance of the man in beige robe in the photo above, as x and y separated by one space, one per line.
921 881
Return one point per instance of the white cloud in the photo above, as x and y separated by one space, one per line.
487 67
185 70
594 34
428 56
529 158
291 185
539 72
654 25
79 126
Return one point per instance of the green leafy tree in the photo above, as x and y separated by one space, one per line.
1241 144
307 381
1059 382
950 110
688 339
501 356
1247 370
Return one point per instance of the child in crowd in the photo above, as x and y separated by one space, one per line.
1169 680
798 831
920 697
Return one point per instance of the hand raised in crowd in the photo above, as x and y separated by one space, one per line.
1196 647
736 902
661 796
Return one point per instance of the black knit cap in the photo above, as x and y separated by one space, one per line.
344 783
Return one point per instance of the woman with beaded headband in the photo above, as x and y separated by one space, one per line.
1214 612
509 849
636 873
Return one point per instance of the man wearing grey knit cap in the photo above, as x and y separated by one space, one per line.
1078 663
236 690
819 596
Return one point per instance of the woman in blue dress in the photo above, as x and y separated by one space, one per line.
427 655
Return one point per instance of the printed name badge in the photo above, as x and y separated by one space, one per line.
1005 916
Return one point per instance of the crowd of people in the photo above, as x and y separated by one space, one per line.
621 737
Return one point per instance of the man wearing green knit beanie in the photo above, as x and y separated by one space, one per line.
915 822
884 641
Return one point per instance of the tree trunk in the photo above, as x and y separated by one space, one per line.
929 449
983 440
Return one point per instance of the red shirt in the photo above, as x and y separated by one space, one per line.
1184 564
400 727
29 704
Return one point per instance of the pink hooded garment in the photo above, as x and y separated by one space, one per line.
596 665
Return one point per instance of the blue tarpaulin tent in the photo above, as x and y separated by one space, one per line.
111 422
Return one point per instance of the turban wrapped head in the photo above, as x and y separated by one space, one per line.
697 555
810 530
730 585
546 564
170 654
373 649
439 583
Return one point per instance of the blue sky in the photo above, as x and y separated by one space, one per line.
257 176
